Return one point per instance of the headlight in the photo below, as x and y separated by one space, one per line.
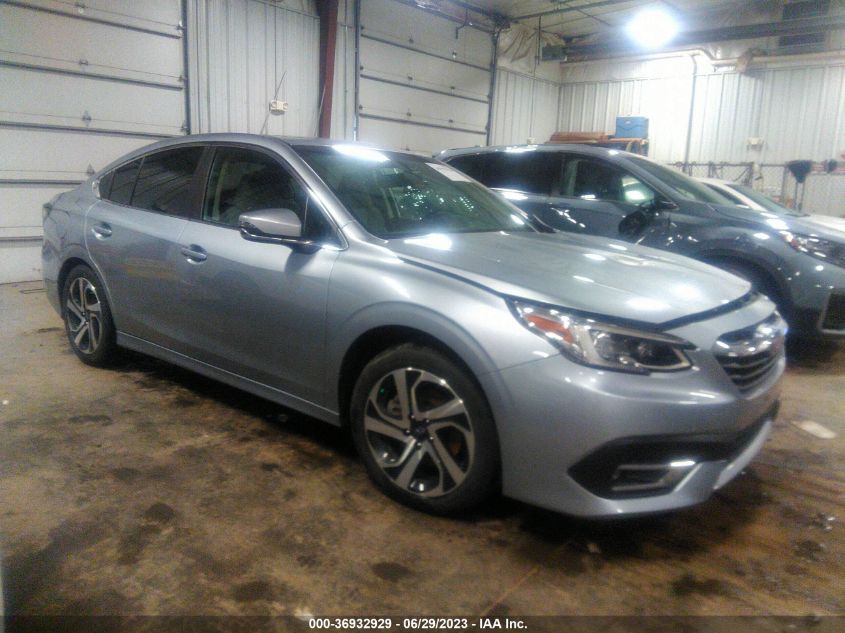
589 342
825 250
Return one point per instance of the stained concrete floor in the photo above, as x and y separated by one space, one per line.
146 489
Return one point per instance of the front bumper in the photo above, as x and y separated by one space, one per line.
554 417
817 293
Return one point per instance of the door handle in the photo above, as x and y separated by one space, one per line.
101 230
194 254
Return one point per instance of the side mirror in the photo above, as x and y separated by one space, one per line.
275 226
272 223
662 204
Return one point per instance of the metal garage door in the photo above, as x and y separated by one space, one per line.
424 83
82 83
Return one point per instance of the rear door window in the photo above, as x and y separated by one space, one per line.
165 179
122 182
527 171
472 165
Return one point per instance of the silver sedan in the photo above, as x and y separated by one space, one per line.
468 350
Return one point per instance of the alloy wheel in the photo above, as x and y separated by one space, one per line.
419 432
84 315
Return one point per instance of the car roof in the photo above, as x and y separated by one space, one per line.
261 140
541 147
718 181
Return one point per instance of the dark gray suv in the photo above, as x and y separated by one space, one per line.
796 261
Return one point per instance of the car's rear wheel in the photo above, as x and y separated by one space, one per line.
424 430
88 321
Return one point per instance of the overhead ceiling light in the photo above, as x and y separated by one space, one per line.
652 28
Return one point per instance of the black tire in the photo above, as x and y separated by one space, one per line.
464 436
85 308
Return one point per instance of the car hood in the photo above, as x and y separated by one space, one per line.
590 274
826 227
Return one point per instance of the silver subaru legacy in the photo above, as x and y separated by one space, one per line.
468 350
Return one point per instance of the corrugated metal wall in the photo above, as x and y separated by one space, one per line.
799 111
797 108
524 108
343 89
239 51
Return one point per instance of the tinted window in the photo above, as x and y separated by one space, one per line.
764 201
527 171
683 184
105 184
595 179
396 195
245 180
734 199
164 182
472 166
122 183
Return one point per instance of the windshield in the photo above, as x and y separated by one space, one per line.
398 195
687 187
767 203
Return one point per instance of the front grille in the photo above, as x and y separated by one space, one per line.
834 318
748 355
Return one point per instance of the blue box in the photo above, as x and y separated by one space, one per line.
631 127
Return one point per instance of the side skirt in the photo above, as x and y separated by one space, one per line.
259 389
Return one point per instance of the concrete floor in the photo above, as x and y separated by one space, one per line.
148 490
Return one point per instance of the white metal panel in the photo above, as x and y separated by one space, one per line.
824 194
239 52
399 102
389 62
410 26
524 108
797 108
151 15
58 154
424 83
44 39
48 99
82 85
343 91
415 138
20 260
593 107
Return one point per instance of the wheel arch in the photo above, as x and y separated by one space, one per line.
377 339
766 271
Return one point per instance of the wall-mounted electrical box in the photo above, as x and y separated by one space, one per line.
278 107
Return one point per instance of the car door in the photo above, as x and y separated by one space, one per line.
597 197
132 234
255 309
524 175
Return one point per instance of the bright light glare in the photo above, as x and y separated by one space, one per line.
437 241
652 28
364 153
512 195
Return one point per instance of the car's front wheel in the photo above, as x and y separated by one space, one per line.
88 322
425 431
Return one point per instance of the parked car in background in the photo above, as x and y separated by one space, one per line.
796 261
466 350
744 195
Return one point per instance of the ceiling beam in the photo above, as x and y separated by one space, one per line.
621 44
569 8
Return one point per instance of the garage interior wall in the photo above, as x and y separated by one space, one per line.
795 106
424 80
82 85
239 52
